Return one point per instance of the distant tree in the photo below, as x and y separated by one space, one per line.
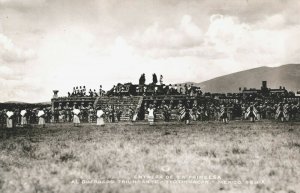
142 79
154 78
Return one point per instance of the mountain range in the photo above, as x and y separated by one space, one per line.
287 76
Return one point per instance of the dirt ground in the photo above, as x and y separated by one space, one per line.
168 157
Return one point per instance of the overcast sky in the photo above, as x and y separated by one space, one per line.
58 44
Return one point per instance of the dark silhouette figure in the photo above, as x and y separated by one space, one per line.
142 79
154 78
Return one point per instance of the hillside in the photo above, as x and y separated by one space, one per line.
286 75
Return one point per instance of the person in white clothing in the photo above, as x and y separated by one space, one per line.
41 115
23 118
151 115
9 119
76 119
100 117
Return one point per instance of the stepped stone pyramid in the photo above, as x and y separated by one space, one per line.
123 103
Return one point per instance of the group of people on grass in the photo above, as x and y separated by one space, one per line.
99 113
15 117
41 116
224 112
209 111
88 114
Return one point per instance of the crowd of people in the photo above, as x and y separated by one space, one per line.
89 114
81 91
216 111
18 117
187 111
154 90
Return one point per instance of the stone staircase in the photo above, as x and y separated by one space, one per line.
124 103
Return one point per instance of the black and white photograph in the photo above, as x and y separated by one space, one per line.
149 96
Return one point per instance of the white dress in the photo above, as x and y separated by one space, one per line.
9 120
41 118
151 116
9 123
23 118
151 112
76 119
100 119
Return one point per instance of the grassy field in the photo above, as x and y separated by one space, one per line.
125 157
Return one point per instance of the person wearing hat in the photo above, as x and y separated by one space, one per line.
251 112
100 117
90 112
281 112
224 113
187 115
166 113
